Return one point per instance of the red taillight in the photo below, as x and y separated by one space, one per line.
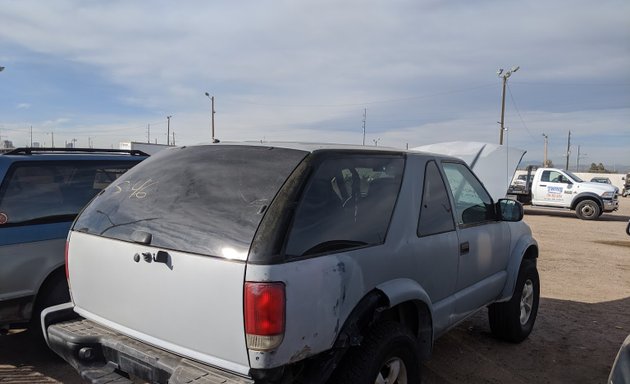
66 258
264 315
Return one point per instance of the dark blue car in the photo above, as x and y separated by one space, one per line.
41 192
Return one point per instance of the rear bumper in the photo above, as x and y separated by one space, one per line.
103 356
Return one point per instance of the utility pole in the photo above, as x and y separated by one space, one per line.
168 129
364 119
173 137
505 76
213 112
545 158
579 156
31 136
568 150
149 133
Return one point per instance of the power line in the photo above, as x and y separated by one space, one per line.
518 112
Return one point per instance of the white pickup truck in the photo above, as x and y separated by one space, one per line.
558 188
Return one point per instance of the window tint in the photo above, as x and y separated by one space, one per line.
204 199
435 213
52 191
347 203
472 202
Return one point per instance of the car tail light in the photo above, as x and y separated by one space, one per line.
264 315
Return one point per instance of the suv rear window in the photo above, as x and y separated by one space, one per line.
41 192
347 203
207 200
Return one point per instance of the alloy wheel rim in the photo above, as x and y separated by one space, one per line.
527 301
393 371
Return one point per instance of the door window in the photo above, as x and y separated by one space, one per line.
435 213
472 203
553 177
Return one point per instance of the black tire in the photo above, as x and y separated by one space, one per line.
507 320
388 348
54 291
587 210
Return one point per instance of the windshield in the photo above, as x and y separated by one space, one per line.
207 200
575 178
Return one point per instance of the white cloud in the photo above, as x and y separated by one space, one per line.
281 69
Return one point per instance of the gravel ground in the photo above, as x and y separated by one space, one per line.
583 318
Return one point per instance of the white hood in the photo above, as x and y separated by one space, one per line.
597 187
493 164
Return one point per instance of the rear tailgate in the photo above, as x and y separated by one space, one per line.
191 305
160 255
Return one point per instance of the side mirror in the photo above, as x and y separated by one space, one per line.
510 210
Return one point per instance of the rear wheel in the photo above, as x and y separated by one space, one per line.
54 291
513 320
387 355
587 210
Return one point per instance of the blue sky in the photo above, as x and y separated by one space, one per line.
304 71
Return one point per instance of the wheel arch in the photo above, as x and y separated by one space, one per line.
526 249
587 196
55 275
401 300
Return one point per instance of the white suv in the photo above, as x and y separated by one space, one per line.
288 263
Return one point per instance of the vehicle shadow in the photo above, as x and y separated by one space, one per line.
562 213
572 342
24 359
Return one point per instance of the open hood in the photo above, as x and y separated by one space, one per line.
493 164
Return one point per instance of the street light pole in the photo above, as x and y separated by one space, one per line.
168 129
364 118
568 150
213 112
505 76
545 158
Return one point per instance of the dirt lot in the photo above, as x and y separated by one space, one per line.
584 317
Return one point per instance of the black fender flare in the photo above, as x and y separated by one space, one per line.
376 305
587 196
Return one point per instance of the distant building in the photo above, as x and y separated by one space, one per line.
36 144
7 144
144 147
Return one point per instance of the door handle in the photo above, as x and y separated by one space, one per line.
542 185
464 248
